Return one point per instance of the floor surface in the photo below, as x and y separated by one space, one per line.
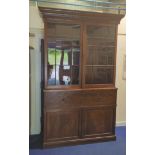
117 147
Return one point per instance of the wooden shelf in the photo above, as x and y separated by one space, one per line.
98 37
99 65
63 37
101 46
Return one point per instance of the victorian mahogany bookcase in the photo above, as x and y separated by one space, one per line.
79 93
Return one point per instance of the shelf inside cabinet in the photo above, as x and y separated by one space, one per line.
99 74
100 58
101 42
62 36
99 37
99 65
62 44
98 45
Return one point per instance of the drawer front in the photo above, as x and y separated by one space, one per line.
80 98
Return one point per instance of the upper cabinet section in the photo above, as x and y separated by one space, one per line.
102 6
80 49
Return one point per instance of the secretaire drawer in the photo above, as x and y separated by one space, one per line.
78 98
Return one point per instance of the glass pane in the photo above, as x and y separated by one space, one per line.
99 65
63 54
100 56
75 74
103 32
99 75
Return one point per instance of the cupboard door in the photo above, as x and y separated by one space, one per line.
63 54
100 54
61 125
98 121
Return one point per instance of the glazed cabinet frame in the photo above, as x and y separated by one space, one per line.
46 86
83 52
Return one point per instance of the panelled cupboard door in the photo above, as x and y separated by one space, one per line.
98 121
61 125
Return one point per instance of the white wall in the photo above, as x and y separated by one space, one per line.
120 82
36 27
35 19
35 80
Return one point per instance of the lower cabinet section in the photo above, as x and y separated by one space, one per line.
72 122
79 125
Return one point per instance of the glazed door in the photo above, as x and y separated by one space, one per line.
100 55
63 55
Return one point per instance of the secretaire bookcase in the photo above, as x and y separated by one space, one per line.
79 93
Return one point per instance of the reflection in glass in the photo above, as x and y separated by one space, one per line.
63 54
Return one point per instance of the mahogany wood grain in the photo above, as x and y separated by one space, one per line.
79 141
97 121
79 98
81 113
62 125
116 32
62 14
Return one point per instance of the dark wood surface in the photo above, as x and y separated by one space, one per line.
78 98
85 19
78 141
62 124
76 114
61 15
42 85
97 121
